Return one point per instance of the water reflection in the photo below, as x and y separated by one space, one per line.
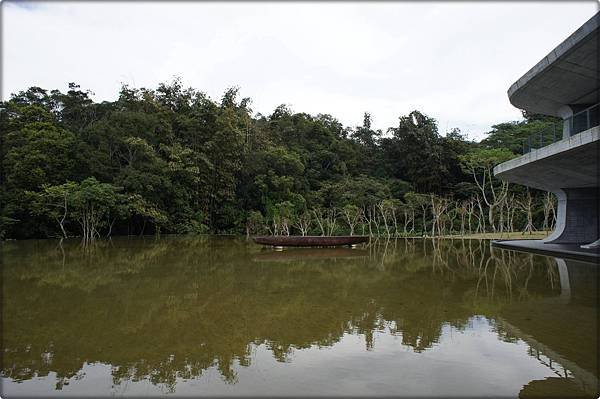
171 311
304 254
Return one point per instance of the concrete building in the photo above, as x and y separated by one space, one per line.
564 84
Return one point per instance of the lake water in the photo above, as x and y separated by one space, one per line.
222 316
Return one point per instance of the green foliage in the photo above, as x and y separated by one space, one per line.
173 160
38 153
514 136
88 203
254 222
485 158
418 154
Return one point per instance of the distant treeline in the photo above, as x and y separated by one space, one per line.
173 160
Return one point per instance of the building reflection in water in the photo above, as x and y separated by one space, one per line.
166 311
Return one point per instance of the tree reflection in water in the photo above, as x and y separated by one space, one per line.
171 308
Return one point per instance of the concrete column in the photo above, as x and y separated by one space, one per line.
566 133
565 112
577 220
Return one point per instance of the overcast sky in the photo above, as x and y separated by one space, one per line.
453 61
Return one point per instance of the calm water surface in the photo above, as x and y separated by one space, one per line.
222 316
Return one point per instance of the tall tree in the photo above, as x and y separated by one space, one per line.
480 164
414 152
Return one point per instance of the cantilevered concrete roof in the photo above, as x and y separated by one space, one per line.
568 75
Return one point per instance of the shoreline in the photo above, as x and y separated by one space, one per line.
479 236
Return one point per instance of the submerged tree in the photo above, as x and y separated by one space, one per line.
56 202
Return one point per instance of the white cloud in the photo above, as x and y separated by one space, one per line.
454 61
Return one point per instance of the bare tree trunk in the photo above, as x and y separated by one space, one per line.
549 203
480 217
143 228
470 209
452 214
319 219
526 205
495 198
395 221
383 211
62 227
331 220
351 219
303 223
423 228
509 204
64 217
491 217
406 222
501 221
438 207
110 227
369 219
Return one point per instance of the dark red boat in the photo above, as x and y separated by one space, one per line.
310 241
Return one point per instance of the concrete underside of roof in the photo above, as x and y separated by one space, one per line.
567 76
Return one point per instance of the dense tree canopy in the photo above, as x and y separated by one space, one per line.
174 160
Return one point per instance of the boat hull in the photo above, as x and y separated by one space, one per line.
310 241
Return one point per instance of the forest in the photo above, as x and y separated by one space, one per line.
172 160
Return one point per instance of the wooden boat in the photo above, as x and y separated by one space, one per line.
310 241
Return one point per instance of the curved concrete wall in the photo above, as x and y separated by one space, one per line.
577 219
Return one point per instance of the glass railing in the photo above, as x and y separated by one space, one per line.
583 120
543 138
577 123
